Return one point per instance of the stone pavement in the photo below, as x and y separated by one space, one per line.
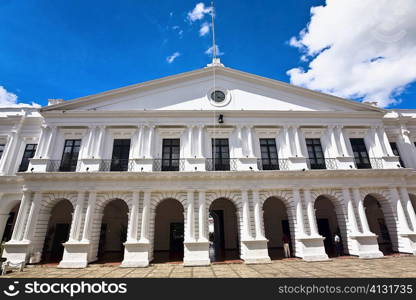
402 266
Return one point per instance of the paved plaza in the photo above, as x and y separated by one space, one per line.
403 266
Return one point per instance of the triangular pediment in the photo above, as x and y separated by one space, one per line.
192 90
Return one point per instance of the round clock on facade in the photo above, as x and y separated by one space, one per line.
218 96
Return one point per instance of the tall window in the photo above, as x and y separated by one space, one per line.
27 155
70 156
269 158
316 154
170 154
120 158
397 153
360 154
2 146
220 155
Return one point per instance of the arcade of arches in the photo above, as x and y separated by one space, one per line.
235 228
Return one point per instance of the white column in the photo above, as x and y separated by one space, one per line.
344 142
190 219
42 140
137 147
144 234
311 212
334 144
361 210
150 141
409 207
90 141
19 227
299 212
250 141
98 151
89 216
257 215
202 216
401 216
51 142
246 216
32 217
350 210
76 218
190 141
134 218
11 141
238 147
200 141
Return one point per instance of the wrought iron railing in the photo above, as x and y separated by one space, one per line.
363 164
266 164
116 165
221 164
162 164
322 163
66 165
376 163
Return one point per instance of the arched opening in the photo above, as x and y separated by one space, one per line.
57 231
277 228
113 232
9 223
328 221
169 231
378 223
223 233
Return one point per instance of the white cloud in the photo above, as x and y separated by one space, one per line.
205 27
199 12
170 59
362 49
210 51
8 99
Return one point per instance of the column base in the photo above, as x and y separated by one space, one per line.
75 255
196 253
408 244
16 251
313 248
367 246
136 254
255 252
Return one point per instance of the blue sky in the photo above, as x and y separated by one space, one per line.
69 49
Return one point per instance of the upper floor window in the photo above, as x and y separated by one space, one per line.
316 154
170 155
361 157
396 152
27 155
120 157
70 156
269 157
220 155
2 146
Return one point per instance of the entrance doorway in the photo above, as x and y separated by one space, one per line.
169 232
223 232
113 232
58 232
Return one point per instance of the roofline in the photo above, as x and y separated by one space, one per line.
201 71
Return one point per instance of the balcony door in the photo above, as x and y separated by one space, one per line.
70 156
27 155
396 152
269 158
220 154
361 157
120 157
316 154
170 154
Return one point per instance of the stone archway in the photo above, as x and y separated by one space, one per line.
113 231
381 222
224 233
57 231
331 221
277 227
7 221
168 234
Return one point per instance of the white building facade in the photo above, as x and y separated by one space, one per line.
139 170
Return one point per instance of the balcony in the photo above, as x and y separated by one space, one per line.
221 164
67 165
115 165
322 163
160 164
265 164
